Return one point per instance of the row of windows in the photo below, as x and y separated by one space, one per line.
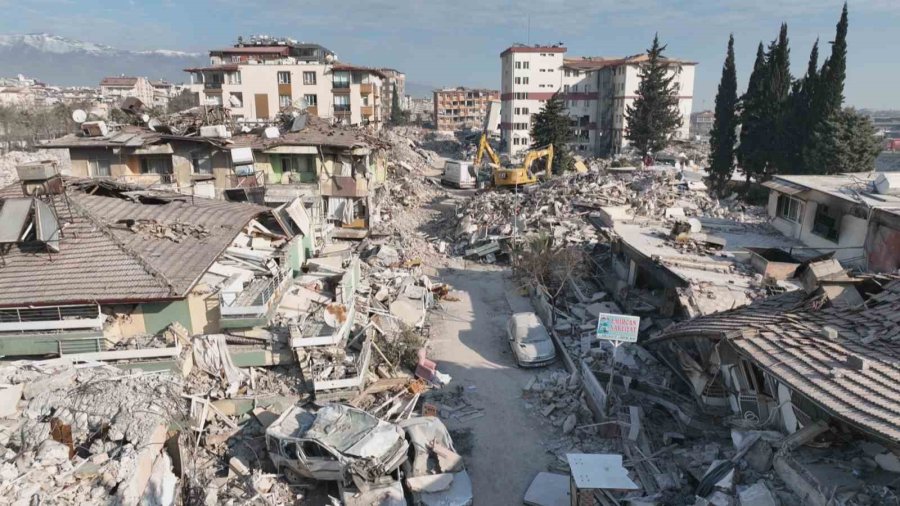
521 64
826 222
522 110
520 142
521 80
520 126
308 77
311 100
570 73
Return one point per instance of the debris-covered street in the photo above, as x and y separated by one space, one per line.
287 282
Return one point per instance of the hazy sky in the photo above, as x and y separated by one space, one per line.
458 42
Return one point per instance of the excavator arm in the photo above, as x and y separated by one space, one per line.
485 147
537 154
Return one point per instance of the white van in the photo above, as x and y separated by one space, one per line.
459 174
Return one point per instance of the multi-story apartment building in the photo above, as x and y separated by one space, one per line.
461 108
258 79
702 123
395 80
597 92
114 89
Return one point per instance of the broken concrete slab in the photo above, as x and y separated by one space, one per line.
9 400
888 462
408 311
548 489
430 482
757 494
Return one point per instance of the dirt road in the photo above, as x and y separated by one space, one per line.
468 343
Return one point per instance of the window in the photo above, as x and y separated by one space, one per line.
341 103
156 165
524 80
543 70
99 168
518 64
566 72
234 78
284 78
201 163
826 223
521 96
524 64
313 450
311 100
565 88
309 77
788 208
341 80
284 100
524 110
236 99
517 110
518 80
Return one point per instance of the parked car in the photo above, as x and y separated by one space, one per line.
530 342
335 443
434 464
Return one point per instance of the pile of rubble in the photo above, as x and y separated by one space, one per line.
87 435
175 232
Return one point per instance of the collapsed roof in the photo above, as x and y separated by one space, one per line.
844 359
120 243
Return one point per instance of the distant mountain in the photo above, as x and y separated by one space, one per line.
418 90
61 61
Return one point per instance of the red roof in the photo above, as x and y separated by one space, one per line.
229 67
118 81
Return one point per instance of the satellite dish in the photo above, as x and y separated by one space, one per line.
145 118
335 314
79 116
153 123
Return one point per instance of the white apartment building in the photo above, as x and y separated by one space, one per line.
597 92
115 89
256 81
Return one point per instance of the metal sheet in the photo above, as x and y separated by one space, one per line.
47 225
599 471
13 217
784 187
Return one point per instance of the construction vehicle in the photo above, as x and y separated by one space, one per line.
509 177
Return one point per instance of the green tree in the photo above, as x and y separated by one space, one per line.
724 132
750 152
801 117
834 70
847 143
778 148
397 116
551 126
654 116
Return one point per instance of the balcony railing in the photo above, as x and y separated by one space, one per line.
366 88
52 318
341 109
340 85
148 179
212 86
367 110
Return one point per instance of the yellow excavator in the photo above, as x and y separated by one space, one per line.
509 177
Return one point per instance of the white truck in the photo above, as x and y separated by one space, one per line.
459 174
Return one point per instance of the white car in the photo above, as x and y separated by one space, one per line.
529 340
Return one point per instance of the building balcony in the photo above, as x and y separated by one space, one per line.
367 110
340 88
250 306
341 110
366 89
212 87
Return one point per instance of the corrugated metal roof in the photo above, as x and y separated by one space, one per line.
100 260
784 335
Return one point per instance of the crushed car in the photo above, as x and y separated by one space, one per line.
434 474
529 340
335 442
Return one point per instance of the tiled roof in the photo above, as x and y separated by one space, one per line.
105 261
118 81
318 132
785 336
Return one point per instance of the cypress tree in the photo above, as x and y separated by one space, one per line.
551 125
751 151
396 112
778 145
834 71
724 132
654 116
801 117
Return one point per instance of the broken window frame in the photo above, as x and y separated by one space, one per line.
784 207
96 164
201 163
152 168
821 226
